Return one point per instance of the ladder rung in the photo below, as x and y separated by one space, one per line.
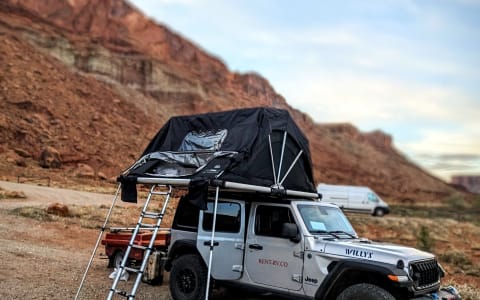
159 193
133 270
121 293
152 215
147 226
139 247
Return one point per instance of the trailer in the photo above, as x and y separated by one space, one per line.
116 241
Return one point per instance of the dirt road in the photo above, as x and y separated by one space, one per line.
41 196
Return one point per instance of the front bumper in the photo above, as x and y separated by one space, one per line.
446 293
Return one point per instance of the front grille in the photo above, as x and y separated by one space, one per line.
425 273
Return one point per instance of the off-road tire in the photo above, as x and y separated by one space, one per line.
364 291
188 278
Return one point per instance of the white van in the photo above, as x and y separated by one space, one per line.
353 198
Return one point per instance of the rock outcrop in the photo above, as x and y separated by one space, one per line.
58 209
50 158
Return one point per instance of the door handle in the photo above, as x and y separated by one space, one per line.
255 247
207 243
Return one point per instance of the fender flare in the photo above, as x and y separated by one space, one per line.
180 247
342 268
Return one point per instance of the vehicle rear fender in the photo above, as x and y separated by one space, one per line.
180 247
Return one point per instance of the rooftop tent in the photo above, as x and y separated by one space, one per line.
237 146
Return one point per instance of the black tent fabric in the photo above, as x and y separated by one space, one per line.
231 146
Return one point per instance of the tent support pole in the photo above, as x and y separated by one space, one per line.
210 258
273 161
291 167
281 154
98 241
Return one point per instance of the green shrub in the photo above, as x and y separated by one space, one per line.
4 194
456 201
32 212
424 241
456 258
476 202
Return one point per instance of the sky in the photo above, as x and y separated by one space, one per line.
410 68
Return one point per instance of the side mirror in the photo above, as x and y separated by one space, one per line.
290 231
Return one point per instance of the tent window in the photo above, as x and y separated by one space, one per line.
210 140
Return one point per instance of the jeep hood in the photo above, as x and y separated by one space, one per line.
374 251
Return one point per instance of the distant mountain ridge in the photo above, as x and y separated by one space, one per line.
93 80
470 182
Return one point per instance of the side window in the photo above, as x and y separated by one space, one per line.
228 217
186 217
269 220
372 197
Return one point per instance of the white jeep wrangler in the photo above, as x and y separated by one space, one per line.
295 248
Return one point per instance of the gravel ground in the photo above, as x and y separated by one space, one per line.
47 260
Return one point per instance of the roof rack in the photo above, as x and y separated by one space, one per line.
230 186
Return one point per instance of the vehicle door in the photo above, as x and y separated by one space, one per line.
227 262
271 259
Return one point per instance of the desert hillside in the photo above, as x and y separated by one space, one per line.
85 84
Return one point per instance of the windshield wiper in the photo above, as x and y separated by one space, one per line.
334 233
342 232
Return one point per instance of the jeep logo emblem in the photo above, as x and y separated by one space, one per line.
311 280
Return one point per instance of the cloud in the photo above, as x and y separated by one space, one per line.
447 153
360 98
443 142
448 165
436 126
456 157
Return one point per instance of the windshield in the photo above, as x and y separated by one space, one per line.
324 219
372 197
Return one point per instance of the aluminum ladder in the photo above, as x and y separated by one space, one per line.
145 214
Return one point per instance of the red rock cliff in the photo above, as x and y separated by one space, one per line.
95 79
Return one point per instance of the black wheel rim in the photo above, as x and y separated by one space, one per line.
186 281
